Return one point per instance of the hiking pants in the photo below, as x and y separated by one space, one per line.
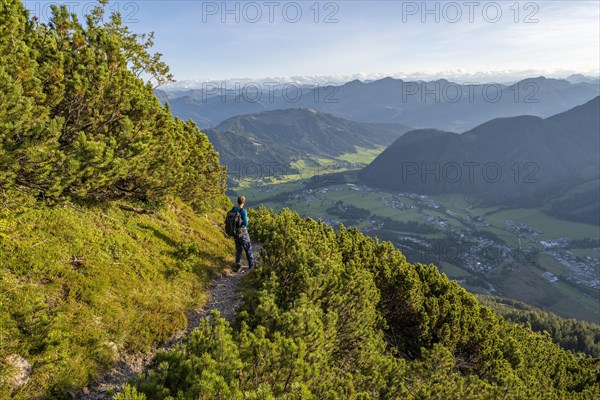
244 243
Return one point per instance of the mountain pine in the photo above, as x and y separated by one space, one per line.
78 118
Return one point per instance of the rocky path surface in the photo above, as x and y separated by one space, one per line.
223 296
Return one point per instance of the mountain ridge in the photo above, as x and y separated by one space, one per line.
534 156
438 104
285 136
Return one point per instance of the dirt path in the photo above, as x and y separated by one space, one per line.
223 297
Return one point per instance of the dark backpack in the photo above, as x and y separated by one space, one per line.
233 224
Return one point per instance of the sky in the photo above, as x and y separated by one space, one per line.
468 41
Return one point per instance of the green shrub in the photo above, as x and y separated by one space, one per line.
341 316
78 121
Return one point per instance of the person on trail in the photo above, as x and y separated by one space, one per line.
240 233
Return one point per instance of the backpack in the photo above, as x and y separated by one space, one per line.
233 224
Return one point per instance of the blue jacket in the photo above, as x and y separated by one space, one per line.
244 215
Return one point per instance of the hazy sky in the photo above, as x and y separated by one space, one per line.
207 40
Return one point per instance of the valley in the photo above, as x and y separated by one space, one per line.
521 253
509 208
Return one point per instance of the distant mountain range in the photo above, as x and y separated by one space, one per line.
579 78
437 104
515 161
283 136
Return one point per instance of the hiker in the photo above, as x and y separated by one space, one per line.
236 225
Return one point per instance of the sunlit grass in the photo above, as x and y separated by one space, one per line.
82 283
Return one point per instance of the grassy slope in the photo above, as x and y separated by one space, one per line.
81 284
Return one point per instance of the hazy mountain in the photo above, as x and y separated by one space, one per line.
579 78
208 113
437 104
164 96
283 136
522 160
449 106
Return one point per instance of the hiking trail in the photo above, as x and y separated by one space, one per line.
223 296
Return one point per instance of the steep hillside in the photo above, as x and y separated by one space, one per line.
582 123
569 333
519 160
578 203
341 316
85 285
241 152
